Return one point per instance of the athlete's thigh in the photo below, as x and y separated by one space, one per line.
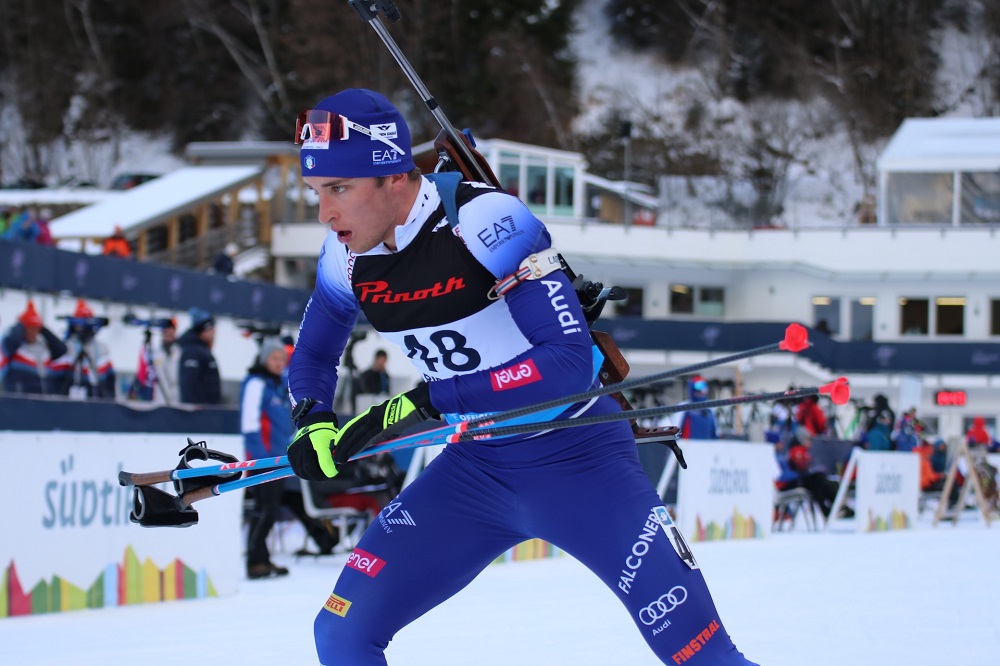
609 517
423 547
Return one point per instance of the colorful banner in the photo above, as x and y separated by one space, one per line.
727 491
68 543
887 490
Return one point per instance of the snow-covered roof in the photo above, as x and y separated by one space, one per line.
54 196
208 151
154 201
943 145
638 193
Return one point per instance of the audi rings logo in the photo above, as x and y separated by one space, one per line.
659 608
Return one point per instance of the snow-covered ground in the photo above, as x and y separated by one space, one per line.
927 596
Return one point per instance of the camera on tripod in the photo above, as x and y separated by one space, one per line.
83 328
158 324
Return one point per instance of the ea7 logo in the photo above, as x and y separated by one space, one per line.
401 518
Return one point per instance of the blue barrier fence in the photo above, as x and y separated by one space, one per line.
52 414
44 269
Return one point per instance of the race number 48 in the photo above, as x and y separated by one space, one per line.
449 350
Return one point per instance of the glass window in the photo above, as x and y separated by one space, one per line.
995 317
510 178
564 191
826 314
950 315
863 319
711 301
930 426
537 188
980 198
681 299
632 305
913 316
919 198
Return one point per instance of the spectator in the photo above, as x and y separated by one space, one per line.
810 416
22 227
782 424
165 360
27 350
934 468
223 262
375 379
6 215
879 423
198 373
978 435
698 423
116 245
44 232
266 424
821 488
939 457
907 435
85 370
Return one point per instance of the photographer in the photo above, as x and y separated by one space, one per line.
198 372
85 370
156 373
27 350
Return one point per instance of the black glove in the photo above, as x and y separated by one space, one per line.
320 448
385 421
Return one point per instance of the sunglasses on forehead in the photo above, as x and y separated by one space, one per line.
315 128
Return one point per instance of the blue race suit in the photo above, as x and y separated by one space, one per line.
581 489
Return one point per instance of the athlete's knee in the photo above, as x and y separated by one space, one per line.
340 642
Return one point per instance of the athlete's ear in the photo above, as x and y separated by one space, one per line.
397 180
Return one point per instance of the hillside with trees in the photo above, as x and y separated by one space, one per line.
752 89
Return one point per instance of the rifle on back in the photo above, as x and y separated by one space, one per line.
457 153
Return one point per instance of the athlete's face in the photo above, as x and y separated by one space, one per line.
361 211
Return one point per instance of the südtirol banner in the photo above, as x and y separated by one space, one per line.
727 491
68 543
887 490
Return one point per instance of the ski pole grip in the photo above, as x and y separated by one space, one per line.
152 507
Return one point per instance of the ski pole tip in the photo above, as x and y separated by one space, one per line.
796 338
838 390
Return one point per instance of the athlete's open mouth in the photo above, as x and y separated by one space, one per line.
344 236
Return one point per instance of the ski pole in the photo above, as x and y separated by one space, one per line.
154 508
795 340
254 480
166 476
838 390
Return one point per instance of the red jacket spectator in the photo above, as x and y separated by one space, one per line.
810 416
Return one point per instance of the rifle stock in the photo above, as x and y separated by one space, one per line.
446 149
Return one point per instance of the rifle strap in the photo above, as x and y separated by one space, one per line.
447 186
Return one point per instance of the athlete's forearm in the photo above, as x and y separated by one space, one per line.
312 372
